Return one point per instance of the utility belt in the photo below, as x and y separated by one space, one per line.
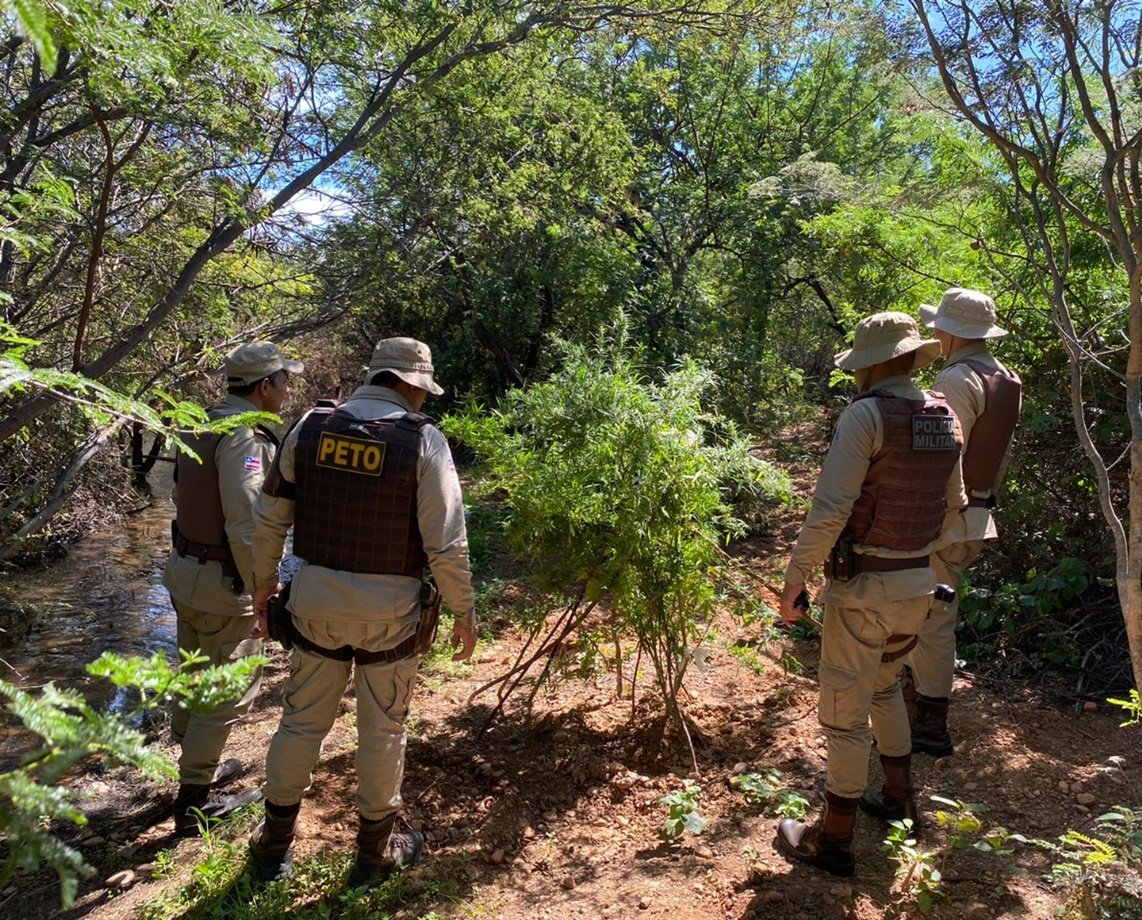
281 628
844 562
209 552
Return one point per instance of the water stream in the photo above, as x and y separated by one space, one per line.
105 595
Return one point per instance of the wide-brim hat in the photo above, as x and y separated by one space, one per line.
963 312
409 359
884 336
255 361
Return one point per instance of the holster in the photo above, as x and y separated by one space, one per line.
841 562
430 600
279 621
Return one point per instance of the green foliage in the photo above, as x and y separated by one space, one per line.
1104 871
683 814
33 796
919 879
764 789
1133 707
616 486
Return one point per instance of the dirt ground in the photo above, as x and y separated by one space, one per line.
559 815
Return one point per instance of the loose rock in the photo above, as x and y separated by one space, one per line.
121 880
1086 798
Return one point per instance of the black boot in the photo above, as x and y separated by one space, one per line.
827 844
197 807
271 844
896 800
930 727
381 850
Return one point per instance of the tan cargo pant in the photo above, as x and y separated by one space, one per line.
203 735
856 684
933 661
309 707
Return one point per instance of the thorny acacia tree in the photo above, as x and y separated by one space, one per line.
1056 87
324 80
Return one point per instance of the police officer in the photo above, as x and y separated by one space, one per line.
209 573
891 476
373 496
986 397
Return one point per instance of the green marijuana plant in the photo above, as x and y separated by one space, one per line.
683 815
764 789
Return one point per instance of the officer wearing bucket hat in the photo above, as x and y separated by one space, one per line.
891 476
371 491
209 573
986 397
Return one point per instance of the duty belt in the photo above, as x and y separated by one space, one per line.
864 563
406 649
208 552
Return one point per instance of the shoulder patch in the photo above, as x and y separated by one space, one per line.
253 464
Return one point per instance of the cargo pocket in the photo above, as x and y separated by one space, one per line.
837 708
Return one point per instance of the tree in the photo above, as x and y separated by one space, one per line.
1054 86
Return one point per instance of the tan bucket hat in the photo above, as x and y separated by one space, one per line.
254 361
408 359
884 336
963 312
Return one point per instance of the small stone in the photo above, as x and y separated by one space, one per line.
567 883
841 892
704 852
94 841
772 896
472 872
622 821
1086 798
121 880
527 833
971 786
1064 786
1090 706
497 856
1076 788
740 768
643 902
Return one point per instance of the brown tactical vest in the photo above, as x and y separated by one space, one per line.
991 434
199 507
356 493
903 496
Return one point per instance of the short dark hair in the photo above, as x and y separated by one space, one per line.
245 389
384 379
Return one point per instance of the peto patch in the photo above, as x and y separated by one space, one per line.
354 455
934 432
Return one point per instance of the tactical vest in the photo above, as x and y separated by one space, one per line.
199 514
903 496
991 434
356 493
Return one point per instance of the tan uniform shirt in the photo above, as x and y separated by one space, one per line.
242 458
964 391
858 438
372 612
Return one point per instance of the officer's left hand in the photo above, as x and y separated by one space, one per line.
261 598
790 613
464 637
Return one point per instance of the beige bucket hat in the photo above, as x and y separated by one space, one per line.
884 336
408 359
255 361
963 312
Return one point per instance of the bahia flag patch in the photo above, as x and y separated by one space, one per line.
252 464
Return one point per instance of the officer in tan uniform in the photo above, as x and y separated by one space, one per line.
209 573
373 496
986 397
891 476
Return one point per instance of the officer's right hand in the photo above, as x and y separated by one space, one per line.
464 637
261 600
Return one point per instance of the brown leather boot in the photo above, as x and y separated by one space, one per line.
930 727
827 844
381 850
271 844
896 800
197 807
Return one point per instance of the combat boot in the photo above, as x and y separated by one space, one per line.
896 800
381 850
197 807
827 844
271 844
930 727
226 772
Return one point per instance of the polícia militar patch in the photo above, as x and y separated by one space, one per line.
934 432
354 455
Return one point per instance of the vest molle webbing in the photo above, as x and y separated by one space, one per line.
356 493
903 497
